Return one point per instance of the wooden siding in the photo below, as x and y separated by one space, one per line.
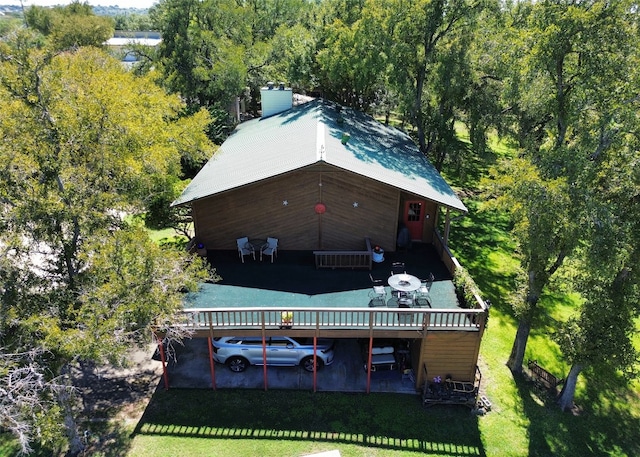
375 217
257 211
453 353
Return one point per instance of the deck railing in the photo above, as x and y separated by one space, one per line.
345 259
333 318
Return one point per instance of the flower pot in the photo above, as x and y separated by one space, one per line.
286 319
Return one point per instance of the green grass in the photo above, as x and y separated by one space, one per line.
610 413
277 423
165 235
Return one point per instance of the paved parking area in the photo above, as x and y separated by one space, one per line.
191 369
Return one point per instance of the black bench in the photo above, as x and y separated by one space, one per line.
542 376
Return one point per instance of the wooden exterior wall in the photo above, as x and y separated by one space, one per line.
257 211
453 353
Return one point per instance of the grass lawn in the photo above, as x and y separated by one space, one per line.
281 423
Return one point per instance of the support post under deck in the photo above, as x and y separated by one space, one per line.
163 359
212 363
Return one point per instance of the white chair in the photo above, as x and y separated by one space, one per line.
271 248
377 296
244 248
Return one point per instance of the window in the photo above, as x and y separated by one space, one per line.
414 214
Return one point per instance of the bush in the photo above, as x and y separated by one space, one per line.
466 288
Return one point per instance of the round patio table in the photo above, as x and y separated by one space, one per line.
255 244
404 282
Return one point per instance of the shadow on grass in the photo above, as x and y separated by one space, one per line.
483 245
594 430
387 421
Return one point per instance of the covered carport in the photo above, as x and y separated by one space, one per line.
191 369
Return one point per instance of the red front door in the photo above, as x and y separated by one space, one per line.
414 218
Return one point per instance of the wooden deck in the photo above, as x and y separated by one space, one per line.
252 297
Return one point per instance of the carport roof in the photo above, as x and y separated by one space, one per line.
311 133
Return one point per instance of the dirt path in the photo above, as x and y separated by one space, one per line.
111 401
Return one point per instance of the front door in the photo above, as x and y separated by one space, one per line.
414 218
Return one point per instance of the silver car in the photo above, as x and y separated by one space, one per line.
239 352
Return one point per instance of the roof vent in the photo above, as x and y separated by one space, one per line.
270 85
281 86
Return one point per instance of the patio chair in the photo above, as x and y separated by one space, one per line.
244 248
378 294
397 268
271 248
422 297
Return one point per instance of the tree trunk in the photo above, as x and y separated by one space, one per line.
565 401
519 345
65 401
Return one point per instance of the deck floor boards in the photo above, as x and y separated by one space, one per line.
293 280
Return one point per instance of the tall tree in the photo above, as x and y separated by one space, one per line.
202 52
83 143
71 25
417 46
543 216
353 62
565 59
213 50
600 337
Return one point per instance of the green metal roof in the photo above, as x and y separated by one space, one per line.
311 133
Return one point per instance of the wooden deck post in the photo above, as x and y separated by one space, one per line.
315 350
165 375
369 353
212 363
264 351
315 365
447 228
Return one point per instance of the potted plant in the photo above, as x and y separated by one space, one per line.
378 254
286 319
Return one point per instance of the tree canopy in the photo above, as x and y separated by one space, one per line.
71 25
570 93
84 144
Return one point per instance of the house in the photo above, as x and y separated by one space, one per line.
335 182
122 45
317 176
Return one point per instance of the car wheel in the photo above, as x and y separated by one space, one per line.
307 363
237 364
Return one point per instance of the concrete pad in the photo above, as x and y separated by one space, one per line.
191 369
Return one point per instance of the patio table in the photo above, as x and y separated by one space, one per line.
256 244
404 282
